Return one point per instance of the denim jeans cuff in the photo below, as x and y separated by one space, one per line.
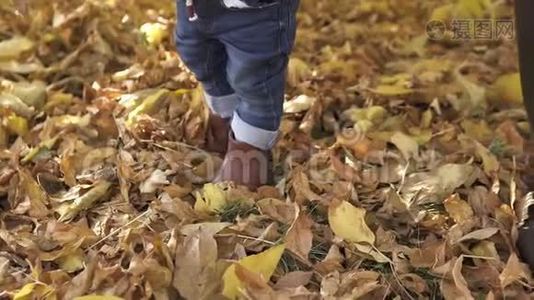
223 106
255 136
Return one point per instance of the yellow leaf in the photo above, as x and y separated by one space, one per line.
406 144
16 105
3 137
375 114
479 130
35 291
211 199
146 106
25 293
426 119
31 93
133 72
507 89
17 125
397 79
348 222
262 263
57 99
43 145
98 297
391 90
154 33
485 249
442 13
421 136
72 262
13 47
297 70
473 98
471 9
86 201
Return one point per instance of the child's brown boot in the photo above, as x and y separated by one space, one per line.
525 210
217 134
246 165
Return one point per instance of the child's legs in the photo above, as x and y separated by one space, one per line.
258 43
206 57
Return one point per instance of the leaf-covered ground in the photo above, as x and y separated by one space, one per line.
399 161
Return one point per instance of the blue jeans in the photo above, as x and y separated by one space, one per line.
240 56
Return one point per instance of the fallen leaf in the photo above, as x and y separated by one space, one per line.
406 144
35 291
293 280
17 125
157 179
474 96
459 210
298 105
36 196
15 104
98 297
348 222
297 71
480 234
14 47
299 237
391 90
211 199
459 280
69 211
154 33
507 89
263 263
513 271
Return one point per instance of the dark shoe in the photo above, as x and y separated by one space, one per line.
217 134
525 238
246 165
525 209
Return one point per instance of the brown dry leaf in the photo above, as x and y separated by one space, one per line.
197 273
303 191
278 210
480 234
293 280
459 281
377 117
507 131
299 237
69 211
459 210
157 179
513 271
32 192
332 261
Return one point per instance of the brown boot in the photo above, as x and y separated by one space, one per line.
525 209
525 238
246 165
217 134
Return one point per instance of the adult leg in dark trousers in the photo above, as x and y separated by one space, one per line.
525 36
